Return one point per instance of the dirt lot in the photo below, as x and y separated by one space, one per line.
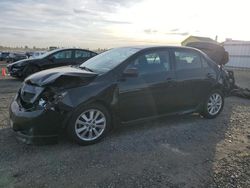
185 151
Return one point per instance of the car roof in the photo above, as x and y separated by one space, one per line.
143 47
60 49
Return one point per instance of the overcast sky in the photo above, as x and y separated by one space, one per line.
112 23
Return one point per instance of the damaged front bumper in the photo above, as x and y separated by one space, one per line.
15 71
36 126
43 105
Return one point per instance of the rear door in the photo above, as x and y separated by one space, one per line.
190 78
210 77
152 92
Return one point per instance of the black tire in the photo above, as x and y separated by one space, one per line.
205 111
30 70
71 128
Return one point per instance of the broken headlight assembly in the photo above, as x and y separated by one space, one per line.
49 99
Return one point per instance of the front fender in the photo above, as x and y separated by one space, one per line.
102 93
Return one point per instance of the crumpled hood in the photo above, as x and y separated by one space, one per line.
62 76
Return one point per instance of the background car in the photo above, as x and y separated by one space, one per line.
52 59
37 54
4 55
13 57
117 86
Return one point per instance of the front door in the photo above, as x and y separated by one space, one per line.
152 92
61 58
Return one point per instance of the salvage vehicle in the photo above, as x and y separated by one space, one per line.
52 59
116 87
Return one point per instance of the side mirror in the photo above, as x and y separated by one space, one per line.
51 58
130 72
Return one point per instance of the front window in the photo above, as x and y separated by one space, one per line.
152 62
106 61
63 54
53 52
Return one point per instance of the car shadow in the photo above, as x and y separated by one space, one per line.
186 145
177 151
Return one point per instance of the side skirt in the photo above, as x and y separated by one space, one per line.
194 110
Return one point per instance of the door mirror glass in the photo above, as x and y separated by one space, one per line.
130 72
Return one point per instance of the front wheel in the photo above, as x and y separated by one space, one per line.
213 105
30 70
89 124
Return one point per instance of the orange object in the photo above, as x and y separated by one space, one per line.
3 72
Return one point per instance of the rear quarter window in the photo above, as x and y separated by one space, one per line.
208 66
186 60
81 54
205 63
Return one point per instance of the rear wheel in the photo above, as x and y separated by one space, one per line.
89 124
213 105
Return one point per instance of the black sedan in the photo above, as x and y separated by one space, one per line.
52 59
117 86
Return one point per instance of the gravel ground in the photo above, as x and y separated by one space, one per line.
183 151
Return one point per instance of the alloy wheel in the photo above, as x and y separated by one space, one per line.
90 125
214 104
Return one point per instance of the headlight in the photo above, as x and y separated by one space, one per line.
49 99
42 102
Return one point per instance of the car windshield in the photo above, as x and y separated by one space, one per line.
108 60
46 54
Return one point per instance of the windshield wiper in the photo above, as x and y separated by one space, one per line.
87 69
